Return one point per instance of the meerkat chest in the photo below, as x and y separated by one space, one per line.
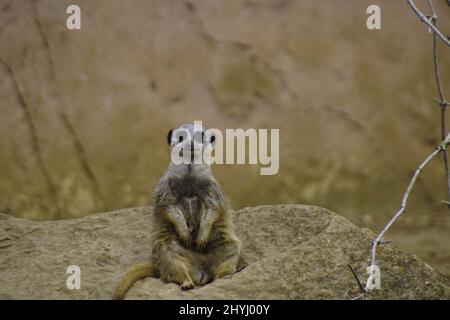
190 194
192 209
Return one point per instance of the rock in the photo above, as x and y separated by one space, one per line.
293 251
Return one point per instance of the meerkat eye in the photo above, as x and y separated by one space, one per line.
213 138
180 138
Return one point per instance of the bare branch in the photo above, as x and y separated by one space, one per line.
441 101
378 240
432 23
356 278
424 19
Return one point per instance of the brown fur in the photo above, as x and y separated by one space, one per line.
193 234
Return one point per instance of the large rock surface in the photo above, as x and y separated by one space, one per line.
293 251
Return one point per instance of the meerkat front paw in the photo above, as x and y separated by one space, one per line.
202 238
176 217
205 228
187 285
184 236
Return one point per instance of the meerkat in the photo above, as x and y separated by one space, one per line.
194 241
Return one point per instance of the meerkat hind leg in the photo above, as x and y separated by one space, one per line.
178 273
198 270
226 267
241 264
174 266
226 261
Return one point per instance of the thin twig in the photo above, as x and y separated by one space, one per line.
424 19
378 240
441 100
78 145
432 24
357 279
358 297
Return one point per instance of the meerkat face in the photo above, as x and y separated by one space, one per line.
190 141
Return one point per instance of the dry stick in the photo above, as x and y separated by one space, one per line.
378 240
441 148
441 101
356 278
424 19
35 144
80 151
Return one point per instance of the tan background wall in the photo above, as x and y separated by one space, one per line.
354 107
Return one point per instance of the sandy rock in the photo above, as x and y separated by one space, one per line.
293 251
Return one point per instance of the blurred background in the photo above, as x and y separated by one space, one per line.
85 113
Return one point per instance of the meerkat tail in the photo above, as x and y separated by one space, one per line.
137 272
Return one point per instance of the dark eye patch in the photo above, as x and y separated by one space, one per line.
179 135
169 136
212 138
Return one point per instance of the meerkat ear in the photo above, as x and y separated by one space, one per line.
169 137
